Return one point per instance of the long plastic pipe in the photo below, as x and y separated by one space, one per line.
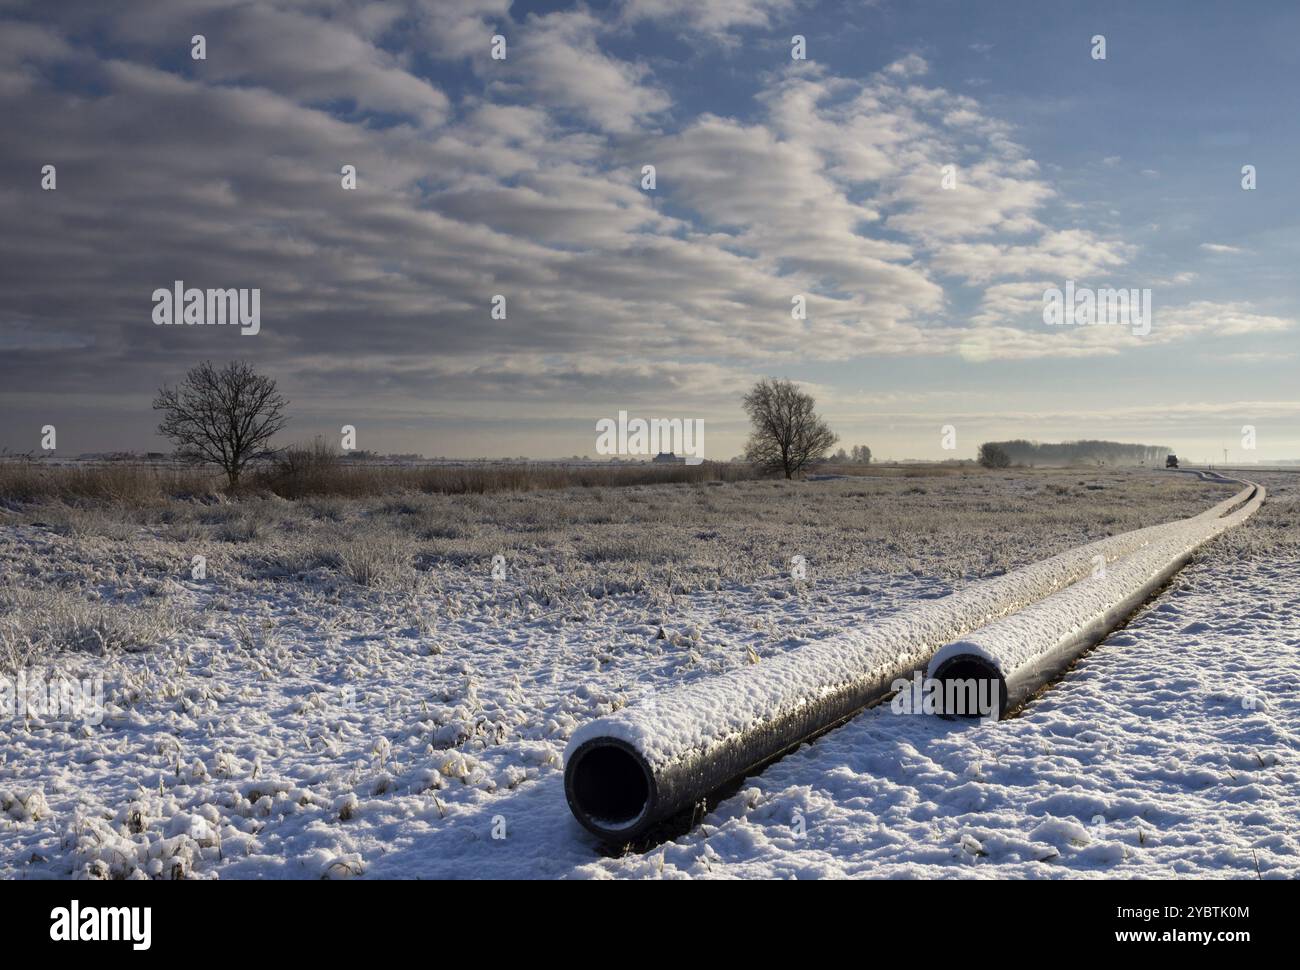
1010 659
632 769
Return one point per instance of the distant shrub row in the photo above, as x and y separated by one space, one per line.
313 470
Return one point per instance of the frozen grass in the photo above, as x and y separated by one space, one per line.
1274 531
376 558
357 657
571 545
35 624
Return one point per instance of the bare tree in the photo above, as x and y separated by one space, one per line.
787 434
223 417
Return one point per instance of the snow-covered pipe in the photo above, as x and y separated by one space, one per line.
1010 659
633 768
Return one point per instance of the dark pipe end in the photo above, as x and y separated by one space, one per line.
611 789
969 680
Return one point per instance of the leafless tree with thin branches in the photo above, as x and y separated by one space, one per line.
224 417
787 434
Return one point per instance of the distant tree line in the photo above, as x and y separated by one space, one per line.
860 455
1000 454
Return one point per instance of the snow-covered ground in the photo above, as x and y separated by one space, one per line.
297 724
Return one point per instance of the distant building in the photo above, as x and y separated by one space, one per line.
667 458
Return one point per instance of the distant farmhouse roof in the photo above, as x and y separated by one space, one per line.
668 458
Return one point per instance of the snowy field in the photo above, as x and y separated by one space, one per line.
351 692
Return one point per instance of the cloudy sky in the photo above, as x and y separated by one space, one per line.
775 178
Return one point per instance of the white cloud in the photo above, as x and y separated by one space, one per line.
1209 318
713 17
556 59
1009 326
464 28
1061 254
913 65
1251 356
325 62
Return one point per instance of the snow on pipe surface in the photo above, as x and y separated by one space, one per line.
630 770
1011 658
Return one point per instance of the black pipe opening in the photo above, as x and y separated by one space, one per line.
971 687
608 785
